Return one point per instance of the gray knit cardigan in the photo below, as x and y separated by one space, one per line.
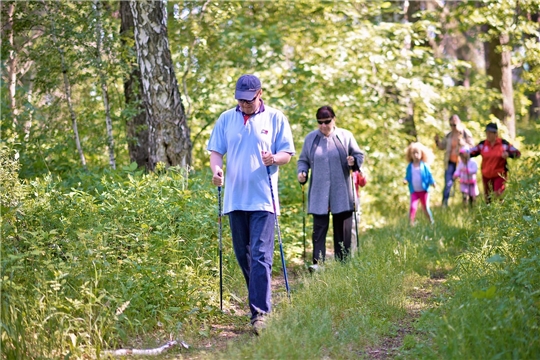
341 193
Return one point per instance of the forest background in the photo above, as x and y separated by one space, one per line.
107 107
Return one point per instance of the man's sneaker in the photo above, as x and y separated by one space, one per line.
313 268
258 326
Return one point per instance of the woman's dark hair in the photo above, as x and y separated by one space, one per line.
325 112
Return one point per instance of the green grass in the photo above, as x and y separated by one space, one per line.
346 308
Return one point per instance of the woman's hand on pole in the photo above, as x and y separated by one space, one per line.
350 160
302 177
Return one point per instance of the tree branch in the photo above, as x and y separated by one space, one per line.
149 352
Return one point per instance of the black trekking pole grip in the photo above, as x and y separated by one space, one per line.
279 235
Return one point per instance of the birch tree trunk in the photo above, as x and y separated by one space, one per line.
12 65
67 90
104 89
168 134
17 65
137 127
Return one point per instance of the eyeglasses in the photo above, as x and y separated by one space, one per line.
453 125
248 102
326 122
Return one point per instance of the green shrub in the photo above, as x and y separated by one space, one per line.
103 257
494 311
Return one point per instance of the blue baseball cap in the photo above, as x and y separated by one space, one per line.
492 127
246 87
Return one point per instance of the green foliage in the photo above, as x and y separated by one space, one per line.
373 72
12 191
494 311
91 260
101 258
357 57
54 36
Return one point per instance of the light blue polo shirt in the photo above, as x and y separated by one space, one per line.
246 184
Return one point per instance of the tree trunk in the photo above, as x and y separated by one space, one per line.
534 108
169 136
493 64
12 66
29 97
409 125
507 88
137 127
17 65
67 89
104 89
498 66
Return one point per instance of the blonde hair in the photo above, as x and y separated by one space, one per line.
427 154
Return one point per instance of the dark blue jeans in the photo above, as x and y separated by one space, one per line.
448 179
253 242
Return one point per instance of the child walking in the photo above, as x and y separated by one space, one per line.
466 172
418 176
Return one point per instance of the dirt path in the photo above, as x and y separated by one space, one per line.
221 335
419 300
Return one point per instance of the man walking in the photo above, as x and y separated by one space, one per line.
451 143
252 136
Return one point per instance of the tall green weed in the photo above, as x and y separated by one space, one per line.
494 310
102 258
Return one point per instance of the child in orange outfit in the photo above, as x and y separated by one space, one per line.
494 151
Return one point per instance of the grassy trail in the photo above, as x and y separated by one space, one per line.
397 275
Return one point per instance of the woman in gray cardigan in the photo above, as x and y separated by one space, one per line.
331 153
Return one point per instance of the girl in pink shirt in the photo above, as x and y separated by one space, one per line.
466 172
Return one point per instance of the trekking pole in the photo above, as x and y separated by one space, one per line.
279 235
220 251
354 210
304 219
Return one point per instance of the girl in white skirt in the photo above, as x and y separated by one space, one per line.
466 172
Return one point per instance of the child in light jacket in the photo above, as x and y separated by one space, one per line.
418 176
466 172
